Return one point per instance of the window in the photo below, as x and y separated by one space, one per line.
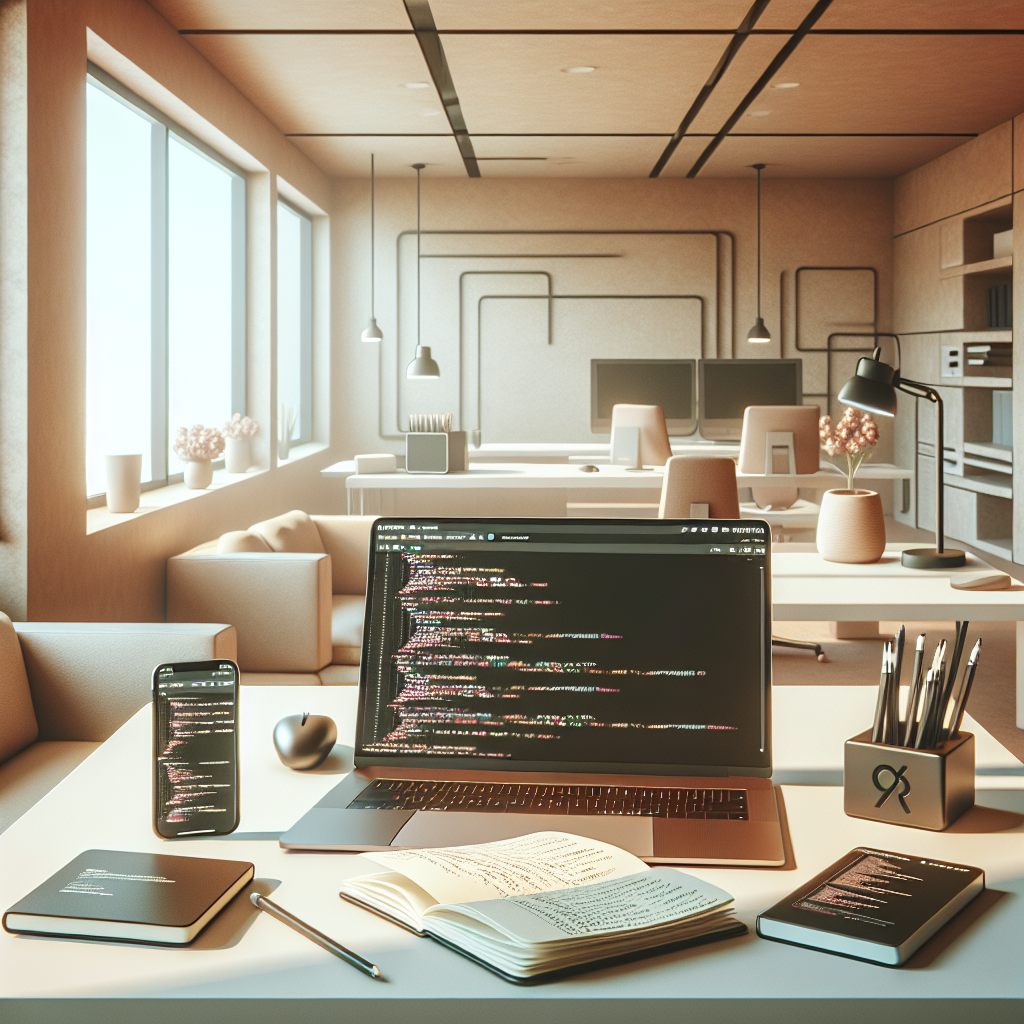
165 271
295 321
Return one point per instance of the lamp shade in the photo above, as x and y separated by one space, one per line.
871 388
759 333
423 366
372 332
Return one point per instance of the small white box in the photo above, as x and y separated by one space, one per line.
1002 244
376 464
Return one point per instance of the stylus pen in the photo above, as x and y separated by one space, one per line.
921 740
915 686
954 665
965 691
878 727
271 908
894 687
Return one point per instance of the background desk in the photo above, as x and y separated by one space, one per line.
553 452
245 963
544 489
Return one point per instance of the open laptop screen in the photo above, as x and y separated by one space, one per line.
568 645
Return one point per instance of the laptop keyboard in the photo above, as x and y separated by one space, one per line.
523 798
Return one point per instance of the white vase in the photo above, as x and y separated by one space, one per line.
198 475
284 445
237 454
124 489
851 527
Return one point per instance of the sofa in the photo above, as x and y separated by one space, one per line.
65 687
294 588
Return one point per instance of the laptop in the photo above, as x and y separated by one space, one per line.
608 678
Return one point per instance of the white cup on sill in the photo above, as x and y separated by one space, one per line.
124 482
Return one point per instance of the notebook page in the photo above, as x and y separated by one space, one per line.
535 863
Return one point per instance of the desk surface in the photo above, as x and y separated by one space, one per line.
246 958
521 451
537 475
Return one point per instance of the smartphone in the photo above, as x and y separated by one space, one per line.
195 749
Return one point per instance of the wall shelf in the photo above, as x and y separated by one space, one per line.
996 484
984 267
988 450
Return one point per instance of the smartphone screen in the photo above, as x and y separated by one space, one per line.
195 748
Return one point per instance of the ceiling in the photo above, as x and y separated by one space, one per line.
680 87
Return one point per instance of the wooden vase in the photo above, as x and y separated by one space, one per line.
851 527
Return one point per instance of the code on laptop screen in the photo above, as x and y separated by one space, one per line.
567 643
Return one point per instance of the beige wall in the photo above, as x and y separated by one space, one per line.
534 391
49 567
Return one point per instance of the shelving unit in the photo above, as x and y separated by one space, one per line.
978 471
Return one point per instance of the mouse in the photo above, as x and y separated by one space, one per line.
980 581
304 741
588 469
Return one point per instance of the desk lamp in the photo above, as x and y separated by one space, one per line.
873 388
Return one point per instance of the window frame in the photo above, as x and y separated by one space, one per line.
305 319
161 128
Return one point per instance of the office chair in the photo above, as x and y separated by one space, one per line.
780 439
699 487
655 449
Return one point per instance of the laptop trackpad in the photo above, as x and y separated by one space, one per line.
458 828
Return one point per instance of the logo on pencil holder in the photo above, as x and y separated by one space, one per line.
898 777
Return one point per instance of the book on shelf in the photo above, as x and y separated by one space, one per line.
873 905
151 898
544 905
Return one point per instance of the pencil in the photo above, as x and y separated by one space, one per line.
907 738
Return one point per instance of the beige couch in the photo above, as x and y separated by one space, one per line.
67 686
294 587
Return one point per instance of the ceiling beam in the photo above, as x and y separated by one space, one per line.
769 73
422 19
707 88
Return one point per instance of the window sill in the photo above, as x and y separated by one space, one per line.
302 451
102 518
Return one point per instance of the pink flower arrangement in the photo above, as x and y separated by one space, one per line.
240 426
851 436
198 444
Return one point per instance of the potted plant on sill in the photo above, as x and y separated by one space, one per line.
197 448
851 527
237 444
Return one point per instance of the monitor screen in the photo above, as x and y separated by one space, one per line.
728 386
670 383
624 645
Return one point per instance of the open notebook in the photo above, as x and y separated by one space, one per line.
543 905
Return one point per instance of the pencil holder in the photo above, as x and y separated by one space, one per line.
920 788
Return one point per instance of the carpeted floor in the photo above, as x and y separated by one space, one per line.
857 662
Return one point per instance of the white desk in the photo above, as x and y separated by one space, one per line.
552 452
245 962
523 476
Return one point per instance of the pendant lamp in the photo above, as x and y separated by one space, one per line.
422 367
372 332
758 333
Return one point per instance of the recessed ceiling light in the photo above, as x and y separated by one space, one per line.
431 113
786 85
581 70
416 85
758 113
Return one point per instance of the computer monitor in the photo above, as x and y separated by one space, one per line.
728 386
670 383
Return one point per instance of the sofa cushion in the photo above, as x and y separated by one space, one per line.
242 542
339 675
347 612
347 541
294 533
29 776
18 726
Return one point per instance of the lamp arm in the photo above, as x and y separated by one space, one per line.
919 390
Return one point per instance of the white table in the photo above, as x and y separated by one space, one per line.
520 451
524 476
244 962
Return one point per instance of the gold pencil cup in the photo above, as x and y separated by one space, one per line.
920 788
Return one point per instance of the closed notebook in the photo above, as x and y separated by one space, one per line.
544 905
130 897
873 905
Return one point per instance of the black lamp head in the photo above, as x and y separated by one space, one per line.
873 387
